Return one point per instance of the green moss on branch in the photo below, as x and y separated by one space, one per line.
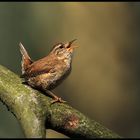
35 112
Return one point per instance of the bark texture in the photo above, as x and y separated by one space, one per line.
35 113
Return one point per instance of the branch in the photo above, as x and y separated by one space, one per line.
36 114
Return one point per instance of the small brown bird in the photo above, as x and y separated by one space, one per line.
47 73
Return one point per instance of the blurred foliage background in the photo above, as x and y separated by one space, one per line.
105 80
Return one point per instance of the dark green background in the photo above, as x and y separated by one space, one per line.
105 79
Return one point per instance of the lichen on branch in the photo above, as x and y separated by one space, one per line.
35 112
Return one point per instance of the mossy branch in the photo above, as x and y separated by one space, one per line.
35 112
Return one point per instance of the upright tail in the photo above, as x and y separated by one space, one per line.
26 60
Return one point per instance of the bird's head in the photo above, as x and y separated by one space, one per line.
64 50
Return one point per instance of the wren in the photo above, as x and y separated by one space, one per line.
47 73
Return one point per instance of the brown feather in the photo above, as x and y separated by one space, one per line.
41 66
26 60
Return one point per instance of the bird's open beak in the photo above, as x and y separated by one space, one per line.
72 41
70 47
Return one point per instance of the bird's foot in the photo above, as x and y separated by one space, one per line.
57 99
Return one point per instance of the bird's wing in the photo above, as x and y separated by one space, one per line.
40 67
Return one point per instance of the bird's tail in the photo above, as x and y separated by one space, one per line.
26 60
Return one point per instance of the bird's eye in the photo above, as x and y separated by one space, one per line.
61 47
